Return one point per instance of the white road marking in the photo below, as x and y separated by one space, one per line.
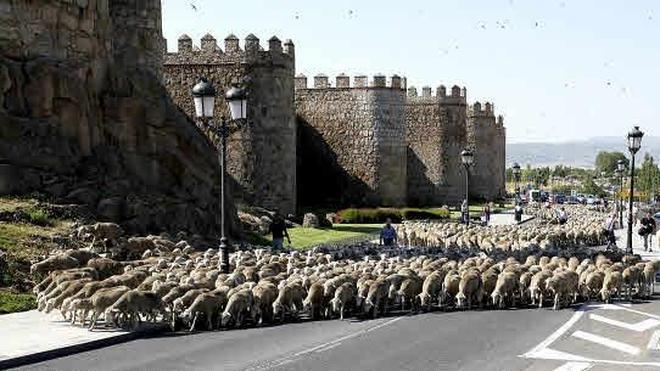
612 344
559 332
654 342
323 347
641 326
642 313
574 366
621 306
548 353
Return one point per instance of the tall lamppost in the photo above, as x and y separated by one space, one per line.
204 98
516 179
620 168
467 158
634 144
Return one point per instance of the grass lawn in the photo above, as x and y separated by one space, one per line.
302 238
10 302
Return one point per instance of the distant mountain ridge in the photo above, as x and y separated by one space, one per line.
574 153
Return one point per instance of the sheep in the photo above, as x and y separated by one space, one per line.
208 304
183 302
72 288
289 299
103 299
109 231
563 285
431 288
344 295
238 304
314 302
524 282
409 292
469 290
54 263
264 295
612 283
648 279
83 305
505 288
105 267
362 292
630 277
450 287
58 290
133 303
593 284
376 297
537 287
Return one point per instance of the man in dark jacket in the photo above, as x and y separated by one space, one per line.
647 229
278 229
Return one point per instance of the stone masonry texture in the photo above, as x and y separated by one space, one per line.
86 119
261 155
351 142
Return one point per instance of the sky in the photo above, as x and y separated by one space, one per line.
557 70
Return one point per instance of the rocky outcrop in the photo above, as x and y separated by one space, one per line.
84 116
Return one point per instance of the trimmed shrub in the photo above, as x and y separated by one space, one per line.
380 215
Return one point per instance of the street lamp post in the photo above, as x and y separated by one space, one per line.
634 144
516 179
204 98
467 158
620 168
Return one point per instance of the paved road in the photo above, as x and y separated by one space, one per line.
523 339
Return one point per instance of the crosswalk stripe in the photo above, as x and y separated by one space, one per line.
654 342
574 366
637 327
613 344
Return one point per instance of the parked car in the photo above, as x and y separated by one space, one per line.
572 200
656 216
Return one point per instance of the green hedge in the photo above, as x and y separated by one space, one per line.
10 302
380 215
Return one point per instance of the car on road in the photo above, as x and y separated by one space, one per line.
656 216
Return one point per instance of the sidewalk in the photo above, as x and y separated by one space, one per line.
28 337
638 244
507 219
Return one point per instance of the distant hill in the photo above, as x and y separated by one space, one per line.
575 153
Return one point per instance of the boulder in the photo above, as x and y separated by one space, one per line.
310 220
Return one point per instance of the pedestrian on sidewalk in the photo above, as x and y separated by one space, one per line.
464 212
562 216
278 229
518 212
388 234
608 231
487 212
646 230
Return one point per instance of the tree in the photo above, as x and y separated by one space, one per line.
648 177
590 187
607 161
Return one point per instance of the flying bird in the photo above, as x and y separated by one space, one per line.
192 5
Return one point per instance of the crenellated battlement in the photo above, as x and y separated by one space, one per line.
211 53
488 109
457 95
343 81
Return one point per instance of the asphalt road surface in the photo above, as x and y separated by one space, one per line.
597 337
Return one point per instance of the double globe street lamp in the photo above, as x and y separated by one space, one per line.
634 144
467 158
516 179
620 168
204 98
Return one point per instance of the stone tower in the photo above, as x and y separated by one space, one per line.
262 154
436 135
351 141
486 140
86 118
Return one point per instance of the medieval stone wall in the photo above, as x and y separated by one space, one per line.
351 141
262 154
436 135
483 138
86 119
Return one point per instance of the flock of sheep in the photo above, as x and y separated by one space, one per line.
173 283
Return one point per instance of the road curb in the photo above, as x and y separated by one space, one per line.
81 347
